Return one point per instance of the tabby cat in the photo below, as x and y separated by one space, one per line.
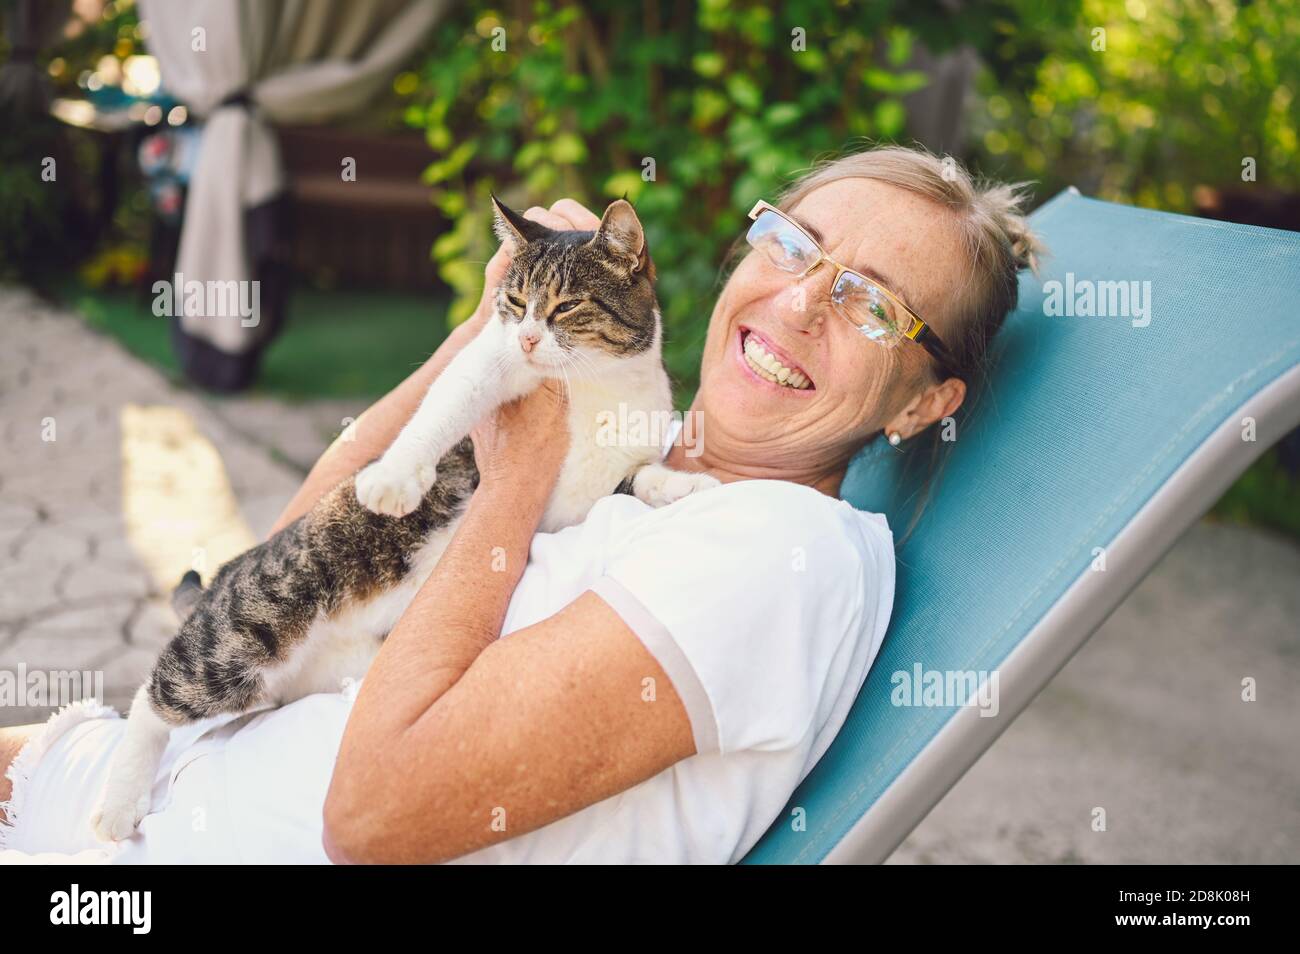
308 609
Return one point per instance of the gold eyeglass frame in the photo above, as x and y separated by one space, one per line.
919 331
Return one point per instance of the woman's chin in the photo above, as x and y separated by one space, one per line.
736 394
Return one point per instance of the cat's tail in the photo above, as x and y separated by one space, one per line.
186 595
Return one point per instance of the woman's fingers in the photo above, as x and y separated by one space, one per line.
524 439
495 270
564 215
576 214
548 218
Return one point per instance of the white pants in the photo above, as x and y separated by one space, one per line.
232 790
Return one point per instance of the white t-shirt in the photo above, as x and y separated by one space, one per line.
765 603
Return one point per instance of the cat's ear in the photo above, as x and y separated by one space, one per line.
512 228
621 232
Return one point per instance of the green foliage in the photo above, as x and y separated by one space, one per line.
45 224
1266 494
34 213
693 110
1183 92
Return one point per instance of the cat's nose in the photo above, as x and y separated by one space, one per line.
528 340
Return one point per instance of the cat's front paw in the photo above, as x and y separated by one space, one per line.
394 490
121 812
659 486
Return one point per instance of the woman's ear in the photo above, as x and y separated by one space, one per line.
952 394
935 403
513 229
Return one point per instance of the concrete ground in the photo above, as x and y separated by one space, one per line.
113 482
1148 723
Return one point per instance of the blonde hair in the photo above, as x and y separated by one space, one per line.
997 237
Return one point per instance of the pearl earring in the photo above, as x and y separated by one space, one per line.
895 439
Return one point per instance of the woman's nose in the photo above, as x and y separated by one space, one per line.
797 311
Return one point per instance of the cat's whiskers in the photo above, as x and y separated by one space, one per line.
573 361
568 385
584 363
499 362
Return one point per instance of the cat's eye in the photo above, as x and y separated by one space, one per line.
567 306
516 302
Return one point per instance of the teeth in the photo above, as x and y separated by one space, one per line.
769 368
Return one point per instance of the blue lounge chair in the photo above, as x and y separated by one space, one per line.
1098 443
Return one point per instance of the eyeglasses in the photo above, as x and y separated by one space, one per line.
874 310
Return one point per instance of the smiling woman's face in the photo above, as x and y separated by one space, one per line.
841 387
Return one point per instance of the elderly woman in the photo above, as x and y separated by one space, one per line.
670 675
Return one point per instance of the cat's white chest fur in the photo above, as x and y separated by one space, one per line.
606 444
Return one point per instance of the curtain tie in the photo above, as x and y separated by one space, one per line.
240 97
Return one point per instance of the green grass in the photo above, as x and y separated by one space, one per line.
1264 495
334 344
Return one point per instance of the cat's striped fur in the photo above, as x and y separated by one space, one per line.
261 605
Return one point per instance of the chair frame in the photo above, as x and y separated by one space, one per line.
1188 494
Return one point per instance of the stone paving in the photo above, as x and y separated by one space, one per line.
142 480
112 483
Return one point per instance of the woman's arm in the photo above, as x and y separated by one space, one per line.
459 739
552 719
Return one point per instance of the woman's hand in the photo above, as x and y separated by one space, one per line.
520 448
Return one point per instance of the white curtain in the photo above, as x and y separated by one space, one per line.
297 61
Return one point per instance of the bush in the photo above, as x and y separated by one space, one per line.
1183 92
48 225
39 237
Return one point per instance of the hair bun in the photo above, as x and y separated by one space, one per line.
1026 246
1005 202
